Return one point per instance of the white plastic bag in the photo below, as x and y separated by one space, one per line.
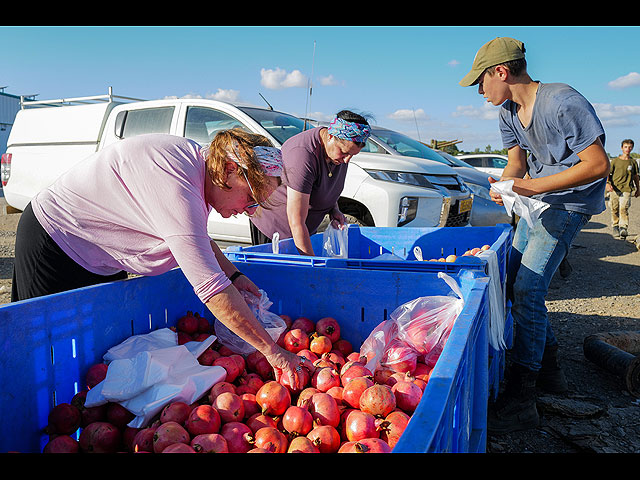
416 330
496 301
525 207
335 242
146 373
272 323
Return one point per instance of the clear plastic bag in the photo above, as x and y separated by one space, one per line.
334 242
415 331
272 323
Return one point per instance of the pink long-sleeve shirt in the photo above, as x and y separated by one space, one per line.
139 206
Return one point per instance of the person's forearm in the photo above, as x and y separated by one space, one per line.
232 310
301 238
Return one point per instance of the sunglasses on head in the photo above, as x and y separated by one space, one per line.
253 195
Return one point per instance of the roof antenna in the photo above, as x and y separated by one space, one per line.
265 101
306 112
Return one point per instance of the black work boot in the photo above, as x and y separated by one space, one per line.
551 378
516 408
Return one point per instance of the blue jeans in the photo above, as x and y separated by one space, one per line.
536 255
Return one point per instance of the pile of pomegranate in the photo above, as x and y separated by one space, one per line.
342 408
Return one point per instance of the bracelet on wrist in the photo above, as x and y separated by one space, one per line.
235 275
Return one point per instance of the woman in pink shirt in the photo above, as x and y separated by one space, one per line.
141 206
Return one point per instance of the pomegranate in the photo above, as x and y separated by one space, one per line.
239 437
408 395
378 400
271 439
423 371
325 437
349 363
175 412
128 434
258 420
329 327
230 366
209 443
382 374
287 320
304 323
336 393
295 340
273 398
251 407
302 445
62 444
297 421
100 437
284 380
393 426
325 378
64 419
89 414
167 434
118 415
251 380
336 358
324 409
230 407
308 354
355 370
143 441
366 445
305 396
208 356
96 374
343 346
188 323
219 388
359 425
203 324
203 419
353 390
399 357
179 448
320 344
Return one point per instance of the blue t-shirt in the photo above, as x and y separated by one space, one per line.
563 124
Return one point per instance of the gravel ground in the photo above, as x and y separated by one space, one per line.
602 294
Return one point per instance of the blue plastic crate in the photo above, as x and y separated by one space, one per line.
49 343
365 244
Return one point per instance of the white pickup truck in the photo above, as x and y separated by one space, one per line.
49 137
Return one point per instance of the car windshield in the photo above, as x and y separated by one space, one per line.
407 146
455 161
281 126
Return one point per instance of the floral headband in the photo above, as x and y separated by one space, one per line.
270 159
355 132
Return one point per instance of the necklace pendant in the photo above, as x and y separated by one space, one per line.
330 174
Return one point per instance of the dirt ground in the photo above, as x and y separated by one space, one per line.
602 294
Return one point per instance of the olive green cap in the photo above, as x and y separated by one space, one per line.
497 51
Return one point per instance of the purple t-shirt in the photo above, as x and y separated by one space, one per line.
137 205
305 171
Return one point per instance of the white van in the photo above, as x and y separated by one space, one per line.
49 137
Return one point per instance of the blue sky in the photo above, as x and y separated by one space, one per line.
406 77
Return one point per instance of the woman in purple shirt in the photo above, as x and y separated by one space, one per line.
314 169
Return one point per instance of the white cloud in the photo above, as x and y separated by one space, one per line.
453 63
225 95
486 112
278 79
617 115
328 81
629 80
407 114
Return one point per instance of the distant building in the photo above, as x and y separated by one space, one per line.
9 106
